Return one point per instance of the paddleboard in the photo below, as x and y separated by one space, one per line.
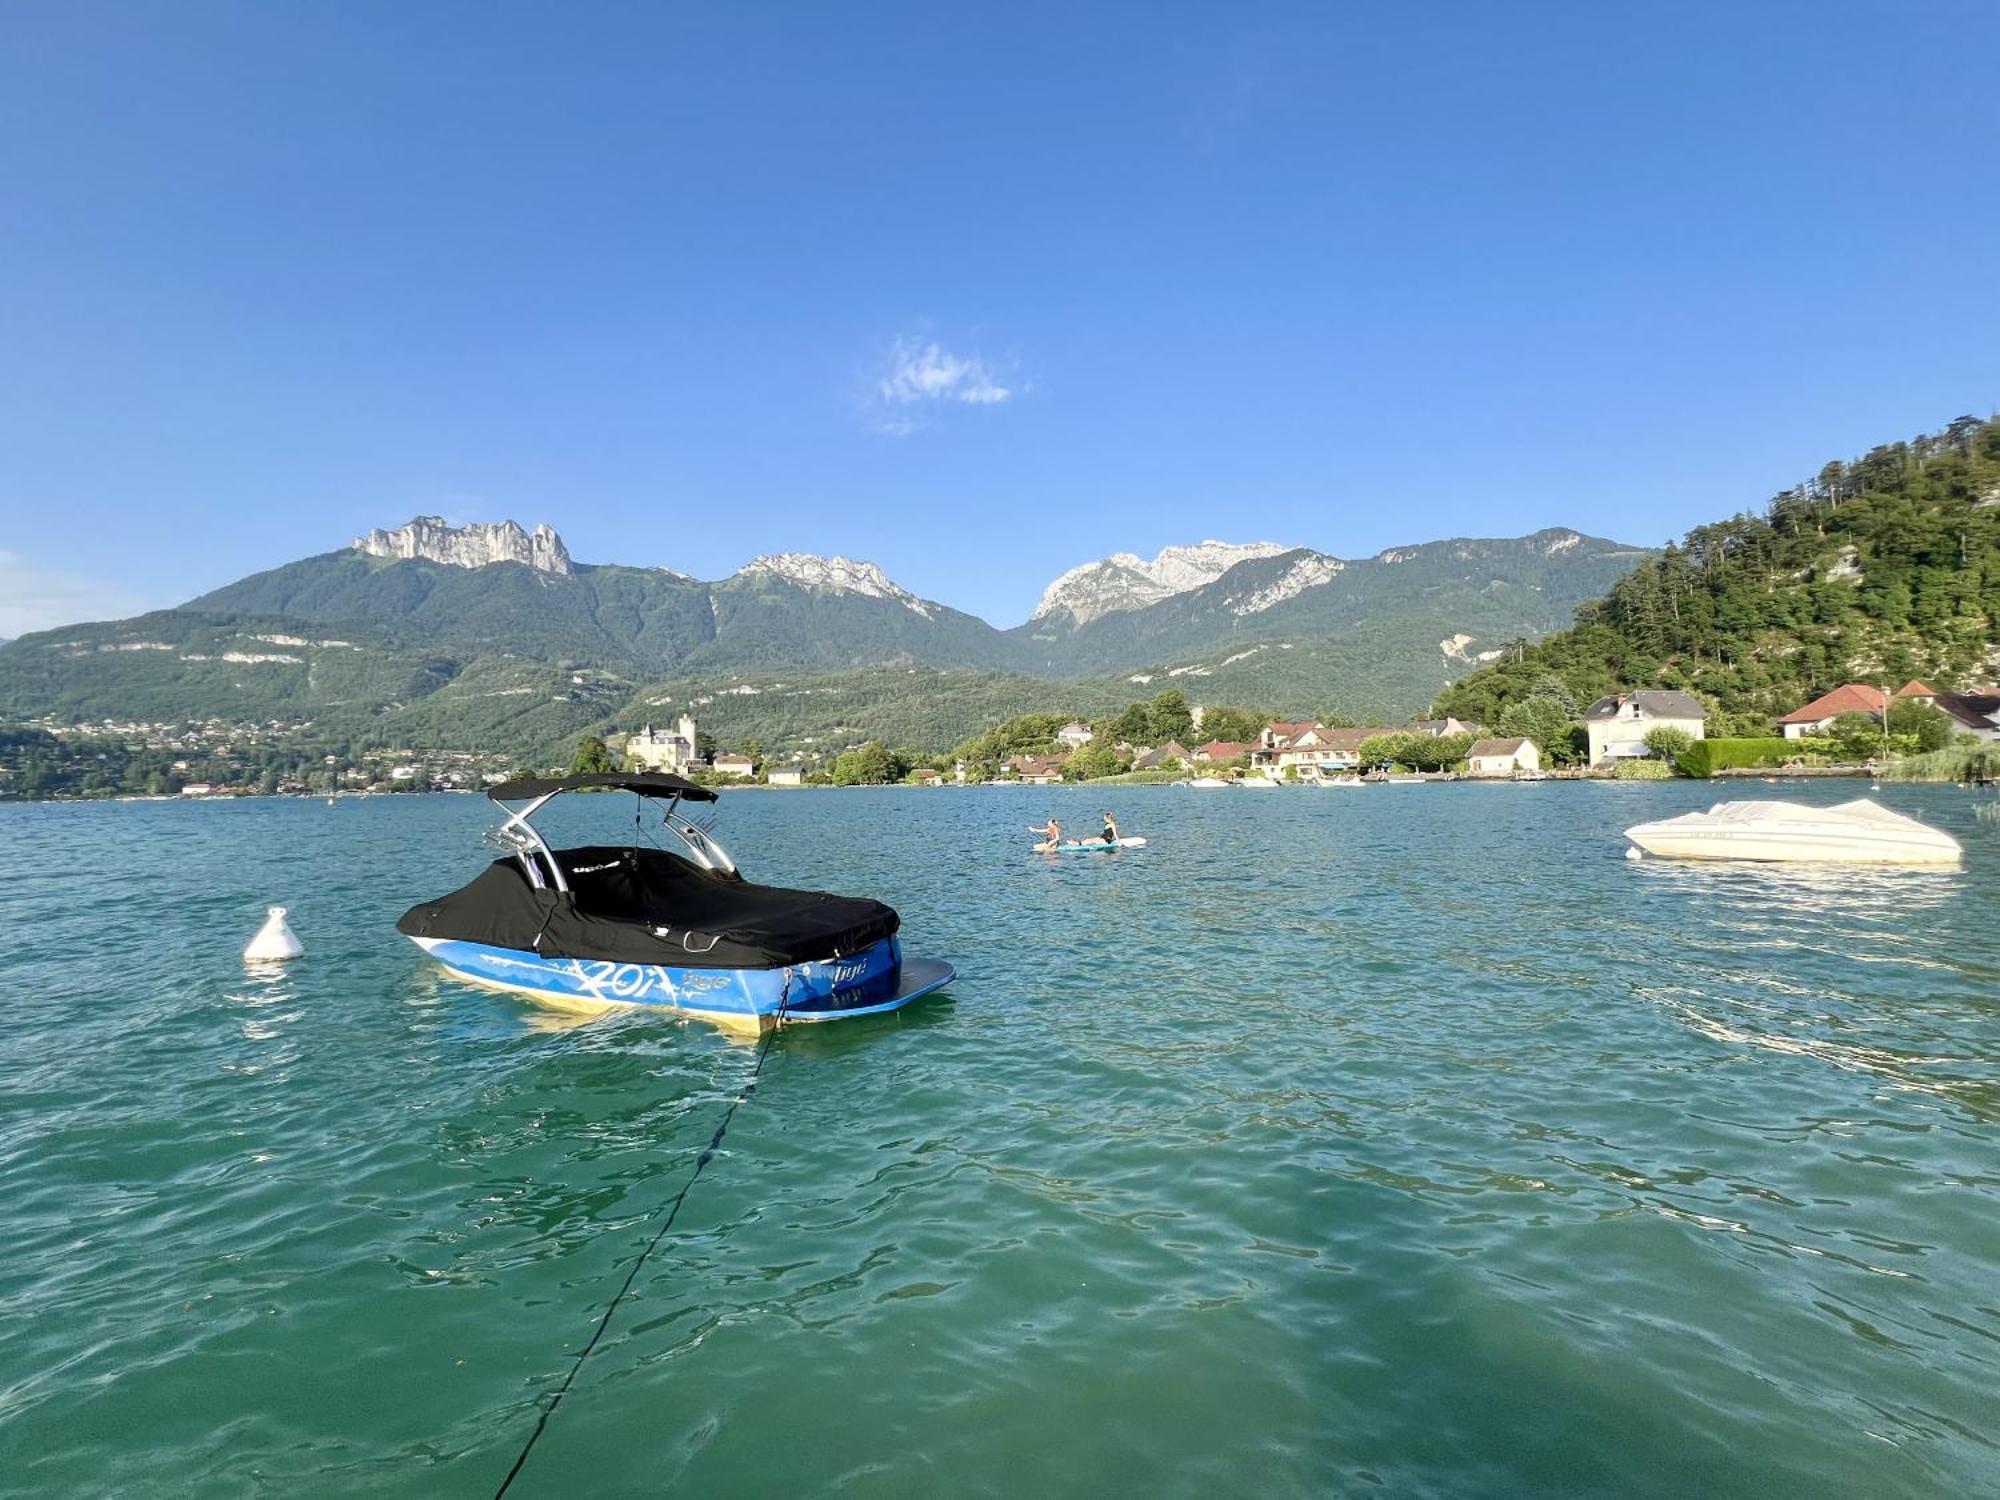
1096 846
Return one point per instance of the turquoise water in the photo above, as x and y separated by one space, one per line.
1402 1140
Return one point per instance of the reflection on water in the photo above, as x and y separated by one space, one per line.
1848 894
1409 1141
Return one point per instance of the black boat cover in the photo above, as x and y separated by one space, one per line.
645 783
646 906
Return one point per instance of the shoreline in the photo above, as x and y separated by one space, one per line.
1731 774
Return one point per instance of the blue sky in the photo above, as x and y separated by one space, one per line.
977 297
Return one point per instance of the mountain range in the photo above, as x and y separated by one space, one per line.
435 634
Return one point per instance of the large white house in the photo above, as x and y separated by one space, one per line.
1075 734
663 750
1618 725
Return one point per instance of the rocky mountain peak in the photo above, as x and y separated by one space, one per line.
842 575
1125 581
471 546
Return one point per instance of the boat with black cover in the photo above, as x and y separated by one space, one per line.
675 929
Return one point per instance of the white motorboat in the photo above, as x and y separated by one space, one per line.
1337 781
1858 832
1207 783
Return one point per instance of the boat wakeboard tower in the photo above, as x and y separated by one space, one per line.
672 929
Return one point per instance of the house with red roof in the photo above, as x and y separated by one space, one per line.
1037 770
1817 716
1976 713
1216 750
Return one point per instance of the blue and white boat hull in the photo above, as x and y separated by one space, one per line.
867 983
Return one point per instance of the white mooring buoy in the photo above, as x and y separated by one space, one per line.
1635 853
274 940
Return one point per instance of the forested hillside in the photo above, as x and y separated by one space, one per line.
1876 570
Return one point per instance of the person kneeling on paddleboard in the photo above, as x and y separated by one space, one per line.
1054 833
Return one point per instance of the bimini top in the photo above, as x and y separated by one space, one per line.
649 906
645 783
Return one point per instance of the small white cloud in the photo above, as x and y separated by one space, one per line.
921 372
34 598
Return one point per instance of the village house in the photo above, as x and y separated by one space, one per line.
1273 737
1617 725
1309 749
661 750
1037 770
741 766
1222 750
1817 716
1324 752
926 776
787 776
1075 734
1154 759
1976 713
1502 757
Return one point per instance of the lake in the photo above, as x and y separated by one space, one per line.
1400 1140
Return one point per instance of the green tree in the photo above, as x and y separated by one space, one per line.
1236 725
1667 742
873 764
1094 760
591 756
1858 736
1169 717
1549 718
1132 727
1414 750
1930 728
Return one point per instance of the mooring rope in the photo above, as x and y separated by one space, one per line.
673 1208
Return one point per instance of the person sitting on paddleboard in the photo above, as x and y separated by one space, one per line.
1110 829
1054 832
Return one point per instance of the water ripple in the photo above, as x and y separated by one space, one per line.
1407 1141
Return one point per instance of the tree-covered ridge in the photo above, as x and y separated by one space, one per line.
1876 570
